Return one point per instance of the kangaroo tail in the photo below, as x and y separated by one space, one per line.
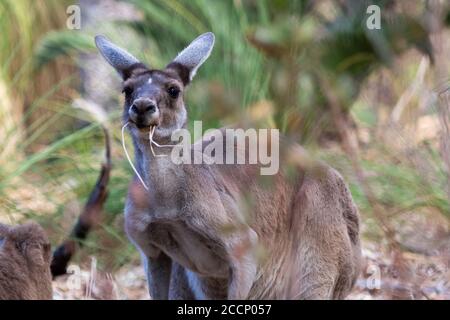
89 217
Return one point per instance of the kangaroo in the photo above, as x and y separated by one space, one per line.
24 263
219 231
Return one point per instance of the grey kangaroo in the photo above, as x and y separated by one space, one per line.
25 256
220 231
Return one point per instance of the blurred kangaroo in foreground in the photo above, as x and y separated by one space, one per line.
299 241
25 256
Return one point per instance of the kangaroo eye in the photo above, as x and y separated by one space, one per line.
127 90
173 92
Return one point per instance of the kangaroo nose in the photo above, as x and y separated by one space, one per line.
142 107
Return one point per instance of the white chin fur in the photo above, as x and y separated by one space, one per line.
140 133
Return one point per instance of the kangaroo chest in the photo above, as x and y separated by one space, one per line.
167 223
188 247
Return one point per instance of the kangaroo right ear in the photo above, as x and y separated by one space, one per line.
120 59
192 57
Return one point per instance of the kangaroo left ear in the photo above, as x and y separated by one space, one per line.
192 57
121 60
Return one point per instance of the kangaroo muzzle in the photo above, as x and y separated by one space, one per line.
144 112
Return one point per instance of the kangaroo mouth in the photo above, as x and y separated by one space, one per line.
145 127
142 127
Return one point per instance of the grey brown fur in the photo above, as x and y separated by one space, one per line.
223 231
24 263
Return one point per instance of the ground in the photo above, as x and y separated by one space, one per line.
429 279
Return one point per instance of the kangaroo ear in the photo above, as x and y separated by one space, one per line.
192 57
119 58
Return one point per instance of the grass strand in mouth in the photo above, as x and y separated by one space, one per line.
128 156
152 142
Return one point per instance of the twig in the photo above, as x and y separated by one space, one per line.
350 147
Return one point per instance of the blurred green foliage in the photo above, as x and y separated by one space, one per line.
275 50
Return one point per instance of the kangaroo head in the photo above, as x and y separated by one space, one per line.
29 239
154 98
25 256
